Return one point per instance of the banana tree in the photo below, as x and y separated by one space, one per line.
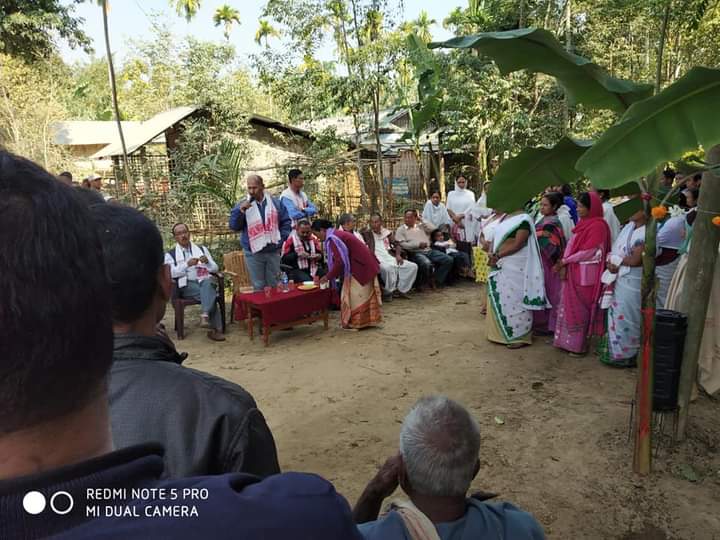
651 130
424 113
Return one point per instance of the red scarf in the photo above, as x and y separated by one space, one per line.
591 232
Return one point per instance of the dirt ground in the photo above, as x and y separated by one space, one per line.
554 428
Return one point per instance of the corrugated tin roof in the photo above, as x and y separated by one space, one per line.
87 132
138 134
344 126
146 132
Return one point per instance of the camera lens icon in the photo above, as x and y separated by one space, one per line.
34 502
61 502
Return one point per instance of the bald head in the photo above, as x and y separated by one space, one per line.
256 186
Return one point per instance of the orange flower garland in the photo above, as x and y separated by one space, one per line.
659 212
716 221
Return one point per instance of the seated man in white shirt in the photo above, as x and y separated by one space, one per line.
398 275
192 266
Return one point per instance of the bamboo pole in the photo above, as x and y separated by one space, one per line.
698 283
642 456
116 108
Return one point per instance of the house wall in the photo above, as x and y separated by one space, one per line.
273 153
406 166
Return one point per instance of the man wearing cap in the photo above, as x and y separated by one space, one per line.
95 182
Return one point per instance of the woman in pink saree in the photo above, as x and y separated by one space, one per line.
578 317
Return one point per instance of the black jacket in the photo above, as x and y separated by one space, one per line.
206 424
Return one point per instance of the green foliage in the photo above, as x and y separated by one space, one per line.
218 174
537 50
265 31
27 27
657 130
532 170
30 101
227 16
88 96
303 92
164 72
421 26
186 8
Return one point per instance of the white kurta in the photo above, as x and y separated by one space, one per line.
396 277
461 201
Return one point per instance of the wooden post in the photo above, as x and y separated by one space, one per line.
698 282
642 458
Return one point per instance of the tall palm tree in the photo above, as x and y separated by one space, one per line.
186 8
113 90
265 31
226 15
422 25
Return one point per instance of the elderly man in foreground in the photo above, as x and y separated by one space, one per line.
438 459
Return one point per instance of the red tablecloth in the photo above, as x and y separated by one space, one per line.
283 307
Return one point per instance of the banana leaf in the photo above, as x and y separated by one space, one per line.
681 117
537 50
522 177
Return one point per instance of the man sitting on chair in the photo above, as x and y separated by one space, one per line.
301 251
192 266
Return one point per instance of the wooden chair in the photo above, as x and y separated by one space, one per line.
179 305
234 264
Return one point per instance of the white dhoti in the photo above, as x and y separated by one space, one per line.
398 277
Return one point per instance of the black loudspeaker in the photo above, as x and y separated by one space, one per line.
670 330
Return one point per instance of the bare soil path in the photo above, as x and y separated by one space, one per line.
554 428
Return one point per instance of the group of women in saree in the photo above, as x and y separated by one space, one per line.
541 282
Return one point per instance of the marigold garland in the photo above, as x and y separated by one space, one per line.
659 212
716 221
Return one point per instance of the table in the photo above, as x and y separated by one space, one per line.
283 309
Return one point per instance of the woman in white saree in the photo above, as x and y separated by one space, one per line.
624 318
516 284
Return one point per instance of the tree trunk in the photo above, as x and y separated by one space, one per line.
698 282
482 160
116 109
642 460
568 47
521 22
378 205
356 120
421 169
361 69
441 166
661 47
